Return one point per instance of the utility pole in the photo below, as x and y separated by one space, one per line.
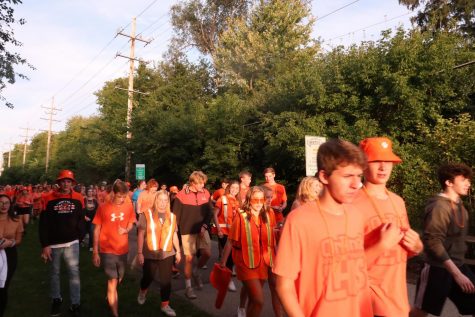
27 129
50 111
130 99
10 153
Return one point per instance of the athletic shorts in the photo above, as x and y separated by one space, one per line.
436 284
114 265
23 210
193 242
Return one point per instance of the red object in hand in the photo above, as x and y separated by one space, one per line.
219 278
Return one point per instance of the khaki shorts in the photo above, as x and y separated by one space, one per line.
193 242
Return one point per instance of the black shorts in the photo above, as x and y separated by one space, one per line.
114 265
436 284
23 210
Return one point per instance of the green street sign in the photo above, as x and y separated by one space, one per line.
139 171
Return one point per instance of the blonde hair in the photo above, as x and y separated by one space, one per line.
155 201
197 177
305 193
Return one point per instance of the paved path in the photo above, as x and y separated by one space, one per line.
207 296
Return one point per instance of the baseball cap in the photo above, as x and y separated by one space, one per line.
379 149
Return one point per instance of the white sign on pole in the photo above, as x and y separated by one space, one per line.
312 143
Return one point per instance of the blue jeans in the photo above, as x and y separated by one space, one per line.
71 258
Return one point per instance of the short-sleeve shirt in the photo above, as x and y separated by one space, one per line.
110 216
324 255
145 200
279 194
148 254
232 209
387 276
218 193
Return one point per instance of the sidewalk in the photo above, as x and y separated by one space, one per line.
207 296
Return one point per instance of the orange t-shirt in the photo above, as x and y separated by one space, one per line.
24 201
37 201
387 276
110 216
279 197
232 207
145 200
324 255
218 193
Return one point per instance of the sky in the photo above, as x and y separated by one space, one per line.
73 45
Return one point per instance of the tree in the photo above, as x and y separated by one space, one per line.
444 14
9 60
274 39
200 23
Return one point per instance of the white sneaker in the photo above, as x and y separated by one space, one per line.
204 267
231 286
141 298
241 312
190 293
167 310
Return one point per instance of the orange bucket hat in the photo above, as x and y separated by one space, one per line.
219 278
379 149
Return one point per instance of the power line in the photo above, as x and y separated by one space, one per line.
334 11
82 70
153 23
83 85
143 11
372 25
81 99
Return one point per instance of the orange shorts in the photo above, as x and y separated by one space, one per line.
244 273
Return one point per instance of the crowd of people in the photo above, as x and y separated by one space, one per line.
341 249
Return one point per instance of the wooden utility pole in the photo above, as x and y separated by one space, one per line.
130 99
50 111
25 145
10 153
9 157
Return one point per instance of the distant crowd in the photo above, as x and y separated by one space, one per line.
341 249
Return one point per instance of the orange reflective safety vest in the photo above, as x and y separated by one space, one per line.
226 214
257 241
160 235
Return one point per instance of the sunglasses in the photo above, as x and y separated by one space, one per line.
258 200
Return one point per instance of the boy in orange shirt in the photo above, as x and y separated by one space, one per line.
113 222
279 200
387 275
320 264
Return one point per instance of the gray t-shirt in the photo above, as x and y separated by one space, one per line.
148 254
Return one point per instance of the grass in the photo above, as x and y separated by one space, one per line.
29 289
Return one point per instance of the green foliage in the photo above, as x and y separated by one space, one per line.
444 14
200 23
254 50
9 60
275 87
